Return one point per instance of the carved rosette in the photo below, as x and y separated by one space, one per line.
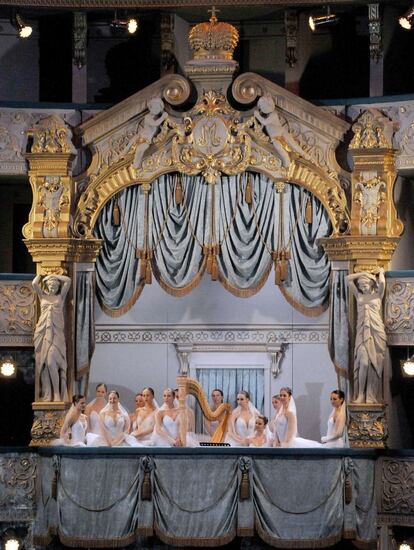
17 313
367 426
17 487
399 312
396 502
47 423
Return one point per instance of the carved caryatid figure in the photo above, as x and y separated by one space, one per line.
152 122
279 134
370 338
49 338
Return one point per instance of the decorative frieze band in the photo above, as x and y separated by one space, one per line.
395 481
230 334
399 311
17 486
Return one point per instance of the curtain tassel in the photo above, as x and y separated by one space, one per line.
214 268
248 193
146 489
348 490
244 486
53 489
148 273
178 191
207 254
281 260
116 215
309 211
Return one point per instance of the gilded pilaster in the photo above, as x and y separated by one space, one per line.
373 236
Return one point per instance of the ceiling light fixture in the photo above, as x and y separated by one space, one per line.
404 546
12 544
24 30
406 20
319 20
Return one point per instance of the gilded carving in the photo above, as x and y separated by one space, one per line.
213 40
367 426
372 131
397 480
17 312
399 311
53 197
51 135
46 425
370 193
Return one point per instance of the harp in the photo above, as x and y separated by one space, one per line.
189 386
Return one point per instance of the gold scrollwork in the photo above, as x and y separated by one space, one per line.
17 308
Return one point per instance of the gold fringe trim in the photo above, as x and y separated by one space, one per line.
112 542
349 534
194 541
180 291
245 292
126 307
245 531
42 540
308 311
365 544
296 543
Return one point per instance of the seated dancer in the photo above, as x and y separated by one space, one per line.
139 404
286 431
262 436
73 431
277 404
242 421
94 435
168 425
336 422
217 399
144 422
115 423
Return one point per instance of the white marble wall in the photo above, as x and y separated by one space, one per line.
138 348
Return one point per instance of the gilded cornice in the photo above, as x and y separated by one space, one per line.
53 255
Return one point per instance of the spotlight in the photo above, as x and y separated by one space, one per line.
8 368
404 546
408 367
406 20
318 21
23 29
130 24
12 544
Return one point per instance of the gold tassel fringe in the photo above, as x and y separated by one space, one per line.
309 211
116 215
248 193
178 191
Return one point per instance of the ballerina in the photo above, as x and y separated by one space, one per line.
168 425
286 431
94 436
144 422
336 422
73 431
115 423
217 398
277 405
139 404
242 421
261 435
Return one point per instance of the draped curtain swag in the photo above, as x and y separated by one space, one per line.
197 500
232 230
338 343
84 327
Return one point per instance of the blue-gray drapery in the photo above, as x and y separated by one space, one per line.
338 343
231 381
308 287
117 267
294 502
84 327
180 232
198 508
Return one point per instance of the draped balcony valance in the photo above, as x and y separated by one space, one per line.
235 230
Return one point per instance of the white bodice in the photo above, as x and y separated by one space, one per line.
144 424
244 429
78 431
280 426
170 425
114 426
94 423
